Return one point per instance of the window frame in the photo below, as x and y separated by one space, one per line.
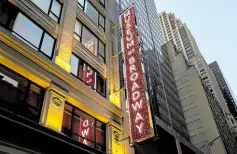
50 10
26 94
78 35
41 39
84 28
100 26
103 4
104 46
80 61
98 75
70 132
78 66
98 41
82 7
99 14
11 16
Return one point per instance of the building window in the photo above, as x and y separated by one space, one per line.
102 2
100 86
19 95
74 65
101 53
83 128
78 30
81 3
101 22
90 41
26 30
92 12
33 35
51 7
87 74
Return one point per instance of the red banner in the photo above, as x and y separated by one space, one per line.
86 131
141 126
88 75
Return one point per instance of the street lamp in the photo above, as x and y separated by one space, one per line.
211 143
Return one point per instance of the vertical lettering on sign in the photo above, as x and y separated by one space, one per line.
88 75
140 123
86 131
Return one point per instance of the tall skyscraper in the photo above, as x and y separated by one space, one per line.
167 115
177 32
190 51
203 114
225 88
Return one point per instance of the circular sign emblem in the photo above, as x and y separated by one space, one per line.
56 102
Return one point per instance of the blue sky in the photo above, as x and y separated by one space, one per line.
213 23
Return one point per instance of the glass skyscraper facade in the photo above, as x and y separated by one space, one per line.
225 89
161 88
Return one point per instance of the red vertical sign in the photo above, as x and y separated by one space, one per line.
139 117
86 131
88 75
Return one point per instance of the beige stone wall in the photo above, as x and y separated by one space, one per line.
198 116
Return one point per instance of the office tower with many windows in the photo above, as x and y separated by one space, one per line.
203 115
218 105
228 96
167 115
225 88
58 80
191 51
170 27
177 32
